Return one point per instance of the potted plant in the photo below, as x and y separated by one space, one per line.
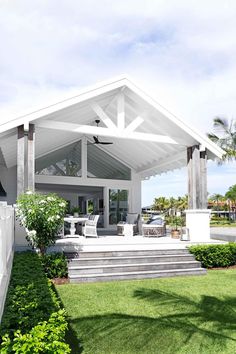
75 211
176 223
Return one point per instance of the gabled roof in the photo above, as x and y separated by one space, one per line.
148 158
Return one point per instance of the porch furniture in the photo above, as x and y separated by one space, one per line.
72 221
131 219
153 230
128 230
155 227
90 226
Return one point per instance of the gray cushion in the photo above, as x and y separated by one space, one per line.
132 218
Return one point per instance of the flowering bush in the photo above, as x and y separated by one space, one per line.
42 217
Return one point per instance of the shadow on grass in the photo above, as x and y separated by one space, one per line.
71 335
176 324
208 309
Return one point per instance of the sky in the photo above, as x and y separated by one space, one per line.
181 52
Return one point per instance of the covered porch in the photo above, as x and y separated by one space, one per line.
99 145
109 241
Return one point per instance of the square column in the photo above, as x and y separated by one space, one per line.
20 160
31 158
25 158
197 215
197 177
198 224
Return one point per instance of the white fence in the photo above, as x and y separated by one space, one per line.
7 220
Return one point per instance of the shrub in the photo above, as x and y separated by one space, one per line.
42 216
48 337
55 265
215 255
30 305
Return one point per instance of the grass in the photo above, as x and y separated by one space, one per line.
174 315
223 225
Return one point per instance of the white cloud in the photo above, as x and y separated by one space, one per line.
182 52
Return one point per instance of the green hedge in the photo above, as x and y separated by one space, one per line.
55 265
32 315
215 255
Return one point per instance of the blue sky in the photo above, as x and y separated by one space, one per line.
182 52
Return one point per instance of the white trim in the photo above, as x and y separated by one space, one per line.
105 87
110 132
121 111
103 116
79 181
134 125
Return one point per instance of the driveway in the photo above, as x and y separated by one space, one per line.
224 233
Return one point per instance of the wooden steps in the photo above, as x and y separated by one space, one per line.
139 264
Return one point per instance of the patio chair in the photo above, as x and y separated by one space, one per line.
131 219
156 227
90 226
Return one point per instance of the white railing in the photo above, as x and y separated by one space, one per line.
7 220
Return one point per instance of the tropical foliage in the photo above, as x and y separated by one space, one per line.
225 202
225 137
170 205
42 217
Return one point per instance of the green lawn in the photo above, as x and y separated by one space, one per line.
176 315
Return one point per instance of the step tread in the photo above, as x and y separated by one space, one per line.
129 257
129 265
182 250
95 275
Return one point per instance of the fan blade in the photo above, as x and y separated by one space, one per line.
95 138
105 143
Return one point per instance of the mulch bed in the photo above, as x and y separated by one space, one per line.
60 281
222 268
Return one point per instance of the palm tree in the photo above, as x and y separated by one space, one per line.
231 195
225 137
161 204
182 203
217 198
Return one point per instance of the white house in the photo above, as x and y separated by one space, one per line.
64 148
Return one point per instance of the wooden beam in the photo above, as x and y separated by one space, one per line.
20 160
103 116
31 158
116 133
121 111
134 125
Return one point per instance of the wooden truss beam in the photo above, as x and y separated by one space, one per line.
109 132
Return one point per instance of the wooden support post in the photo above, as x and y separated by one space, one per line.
20 160
203 176
31 158
197 182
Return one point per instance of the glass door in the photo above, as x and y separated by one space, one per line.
118 205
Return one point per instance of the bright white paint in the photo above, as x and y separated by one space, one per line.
114 132
121 111
6 250
198 223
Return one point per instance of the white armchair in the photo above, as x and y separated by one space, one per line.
90 226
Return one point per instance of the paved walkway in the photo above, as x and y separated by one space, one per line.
224 233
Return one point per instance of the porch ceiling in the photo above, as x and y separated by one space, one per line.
147 157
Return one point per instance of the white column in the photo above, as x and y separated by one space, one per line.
20 160
3 244
84 157
31 158
198 224
106 206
